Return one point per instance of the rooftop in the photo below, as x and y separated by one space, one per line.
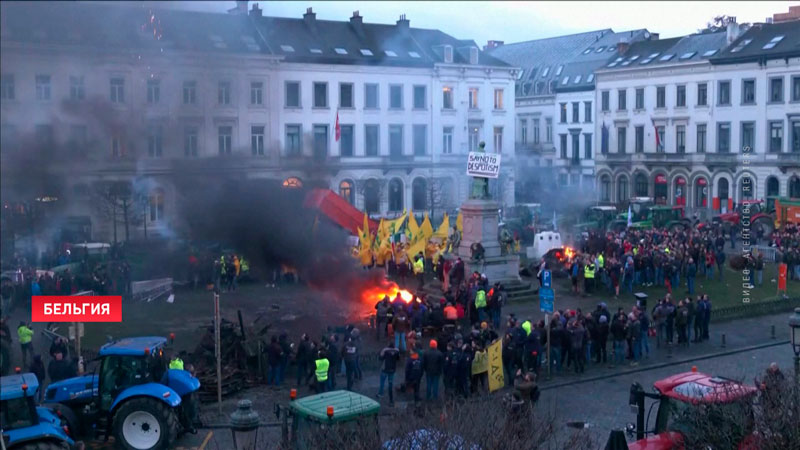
763 41
305 39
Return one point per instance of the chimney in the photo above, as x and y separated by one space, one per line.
357 23
310 18
622 46
732 31
241 7
492 45
255 11
403 23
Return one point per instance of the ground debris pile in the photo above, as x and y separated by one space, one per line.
240 361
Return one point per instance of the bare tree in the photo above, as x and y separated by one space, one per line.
118 203
720 23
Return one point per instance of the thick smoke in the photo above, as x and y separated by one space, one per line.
269 225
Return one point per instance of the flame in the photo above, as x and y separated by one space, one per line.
569 252
374 294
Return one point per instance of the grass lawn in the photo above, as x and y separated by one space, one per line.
727 292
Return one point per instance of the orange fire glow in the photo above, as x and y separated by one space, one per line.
374 294
569 252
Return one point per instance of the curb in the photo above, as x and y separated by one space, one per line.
664 364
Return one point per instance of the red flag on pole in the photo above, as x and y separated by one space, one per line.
337 127
658 138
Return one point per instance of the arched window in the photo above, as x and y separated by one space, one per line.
605 188
292 182
371 198
746 189
773 190
156 201
396 194
722 189
346 191
641 185
660 189
701 193
622 189
419 194
680 191
794 187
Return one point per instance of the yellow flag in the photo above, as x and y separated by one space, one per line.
460 222
412 228
365 227
496 377
419 240
379 235
444 228
393 226
480 363
426 228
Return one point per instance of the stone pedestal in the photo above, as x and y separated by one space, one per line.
480 218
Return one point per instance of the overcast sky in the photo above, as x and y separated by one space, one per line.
522 21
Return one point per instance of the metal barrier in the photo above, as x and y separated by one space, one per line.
771 254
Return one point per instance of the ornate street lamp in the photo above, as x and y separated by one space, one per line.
794 325
244 424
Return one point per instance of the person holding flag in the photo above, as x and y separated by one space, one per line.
630 216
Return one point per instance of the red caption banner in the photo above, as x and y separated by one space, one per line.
76 308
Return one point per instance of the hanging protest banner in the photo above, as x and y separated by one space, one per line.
496 377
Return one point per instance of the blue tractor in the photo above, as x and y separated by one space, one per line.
132 396
24 425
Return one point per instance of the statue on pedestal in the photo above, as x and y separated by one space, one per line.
480 185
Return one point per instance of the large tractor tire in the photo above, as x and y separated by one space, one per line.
43 445
144 423
766 224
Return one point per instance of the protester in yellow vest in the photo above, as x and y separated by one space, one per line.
419 270
588 277
25 334
480 304
176 363
321 366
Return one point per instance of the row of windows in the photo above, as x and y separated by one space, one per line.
117 90
293 97
536 138
293 139
575 142
748 142
575 115
395 194
748 96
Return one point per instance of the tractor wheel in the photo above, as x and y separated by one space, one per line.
43 445
766 225
69 416
145 424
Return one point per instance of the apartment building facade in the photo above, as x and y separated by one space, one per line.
138 95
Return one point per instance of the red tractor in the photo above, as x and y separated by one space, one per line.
760 217
675 396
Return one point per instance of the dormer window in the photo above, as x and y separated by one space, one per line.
413 54
560 68
473 55
587 51
772 43
287 48
600 49
741 45
390 53
366 52
340 51
316 51
448 53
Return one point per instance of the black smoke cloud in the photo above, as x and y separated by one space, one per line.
270 226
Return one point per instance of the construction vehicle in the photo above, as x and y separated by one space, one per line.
674 396
134 397
302 419
760 217
24 425
669 217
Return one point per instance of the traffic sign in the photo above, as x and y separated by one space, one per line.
546 278
546 299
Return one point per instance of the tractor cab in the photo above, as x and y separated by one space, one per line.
23 423
311 416
133 396
596 218
676 396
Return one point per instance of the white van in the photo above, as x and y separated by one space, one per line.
542 243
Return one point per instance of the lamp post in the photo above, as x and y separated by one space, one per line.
244 424
794 325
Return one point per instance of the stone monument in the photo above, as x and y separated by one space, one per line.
480 215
